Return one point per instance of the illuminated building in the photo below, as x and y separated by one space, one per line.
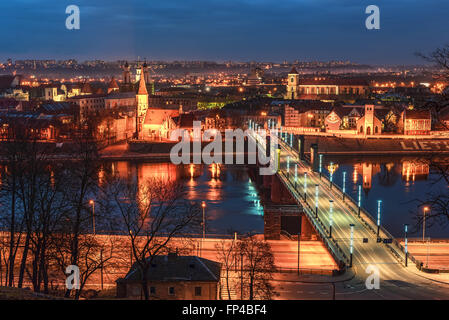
322 87
369 124
306 113
415 122
142 105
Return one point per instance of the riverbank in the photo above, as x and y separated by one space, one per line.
377 146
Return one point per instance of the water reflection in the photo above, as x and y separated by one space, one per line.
398 181
232 201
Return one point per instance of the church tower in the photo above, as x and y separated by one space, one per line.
126 74
142 104
146 73
292 84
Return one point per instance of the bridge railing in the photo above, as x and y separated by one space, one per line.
365 217
335 250
331 244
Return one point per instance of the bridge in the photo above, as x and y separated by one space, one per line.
352 236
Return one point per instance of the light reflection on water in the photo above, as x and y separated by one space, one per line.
397 181
232 201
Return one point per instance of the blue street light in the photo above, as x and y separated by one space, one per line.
296 174
359 201
320 168
331 216
379 202
405 244
351 245
305 185
291 140
316 200
288 165
331 173
344 184
269 123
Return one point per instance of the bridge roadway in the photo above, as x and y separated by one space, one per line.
396 280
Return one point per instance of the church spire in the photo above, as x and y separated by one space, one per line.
142 85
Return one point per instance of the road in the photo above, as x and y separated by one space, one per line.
396 280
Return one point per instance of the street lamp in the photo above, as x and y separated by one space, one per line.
331 173
305 186
379 202
425 209
278 156
331 216
296 174
203 205
351 245
320 168
359 199
344 184
405 244
291 140
299 248
92 203
316 200
288 166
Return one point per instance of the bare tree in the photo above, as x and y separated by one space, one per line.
227 253
152 213
440 104
258 267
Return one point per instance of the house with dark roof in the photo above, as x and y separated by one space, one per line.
342 117
306 113
173 277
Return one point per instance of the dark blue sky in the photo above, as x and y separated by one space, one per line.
262 30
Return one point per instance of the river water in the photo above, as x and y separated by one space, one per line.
232 202
398 182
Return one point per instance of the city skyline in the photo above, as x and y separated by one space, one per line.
238 31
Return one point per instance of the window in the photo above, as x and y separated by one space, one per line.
171 291
197 291
152 290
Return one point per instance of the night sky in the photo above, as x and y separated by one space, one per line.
241 30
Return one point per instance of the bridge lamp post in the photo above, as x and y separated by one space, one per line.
291 140
288 166
359 199
296 174
379 203
331 216
406 244
320 168
316 200
278 156
351 245
344 184
305 186
331 174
